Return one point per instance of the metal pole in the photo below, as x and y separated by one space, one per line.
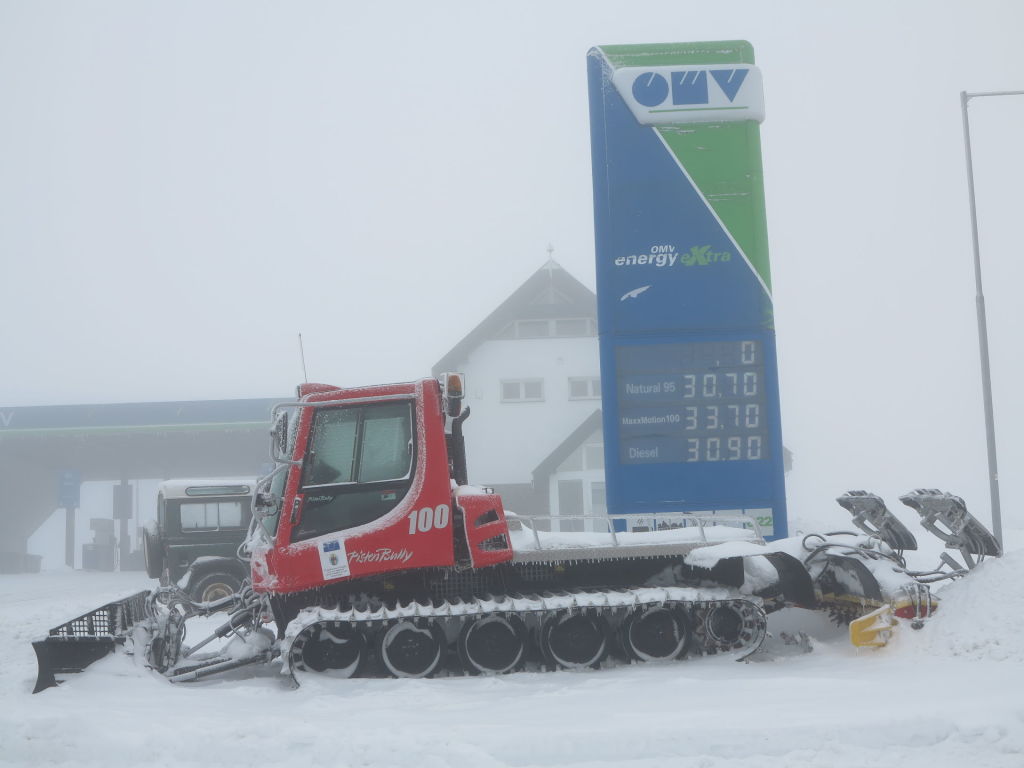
69 536
986 378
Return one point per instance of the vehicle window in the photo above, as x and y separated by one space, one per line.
386 445
334 441
359 467
210 515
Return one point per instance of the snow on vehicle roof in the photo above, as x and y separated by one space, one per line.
207 486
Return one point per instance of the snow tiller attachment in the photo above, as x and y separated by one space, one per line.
878 571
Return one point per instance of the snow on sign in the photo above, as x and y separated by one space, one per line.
688 361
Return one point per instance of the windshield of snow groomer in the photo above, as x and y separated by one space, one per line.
358 467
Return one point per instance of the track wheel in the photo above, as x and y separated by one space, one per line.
493 645
335 647
656 634
724 625
574 640
733 626
411 649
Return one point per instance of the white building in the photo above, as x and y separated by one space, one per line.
533 385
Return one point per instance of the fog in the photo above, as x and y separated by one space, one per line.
185 187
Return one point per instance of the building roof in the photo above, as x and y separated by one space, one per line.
192 414
573 441
550 292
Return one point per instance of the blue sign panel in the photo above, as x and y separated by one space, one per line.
688 361
69 484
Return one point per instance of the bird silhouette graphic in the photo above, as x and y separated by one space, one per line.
634 293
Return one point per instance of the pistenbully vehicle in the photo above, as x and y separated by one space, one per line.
371 554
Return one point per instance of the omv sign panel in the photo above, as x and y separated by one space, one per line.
660 95
689 369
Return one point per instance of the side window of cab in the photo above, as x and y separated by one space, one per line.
359 466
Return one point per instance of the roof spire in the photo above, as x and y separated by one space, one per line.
551 264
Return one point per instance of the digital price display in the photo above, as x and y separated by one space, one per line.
689 374
693 402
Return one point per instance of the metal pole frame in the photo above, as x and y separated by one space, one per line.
986 377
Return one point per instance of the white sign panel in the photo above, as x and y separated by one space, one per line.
692 94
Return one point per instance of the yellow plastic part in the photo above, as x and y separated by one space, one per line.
873 630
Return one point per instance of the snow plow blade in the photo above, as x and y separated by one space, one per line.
73 646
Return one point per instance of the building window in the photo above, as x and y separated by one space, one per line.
522 391
532 329
564 327
584 388
573 326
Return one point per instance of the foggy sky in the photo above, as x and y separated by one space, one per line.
185 187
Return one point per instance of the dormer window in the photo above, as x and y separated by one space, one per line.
561 327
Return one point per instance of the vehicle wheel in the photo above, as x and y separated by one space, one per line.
334 647
655 634
493 645
574 641
214 586
411 649
153 553
724 625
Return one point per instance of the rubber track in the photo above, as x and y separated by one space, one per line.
534 609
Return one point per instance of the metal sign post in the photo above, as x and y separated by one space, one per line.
69 484
986 376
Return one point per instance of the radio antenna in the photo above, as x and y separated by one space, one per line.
302 355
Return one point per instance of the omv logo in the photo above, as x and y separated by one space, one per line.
692 94
653 89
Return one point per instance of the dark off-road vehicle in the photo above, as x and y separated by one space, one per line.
200 524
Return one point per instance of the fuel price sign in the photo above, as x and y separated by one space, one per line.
688 359
695 402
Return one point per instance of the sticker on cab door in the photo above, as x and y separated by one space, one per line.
333 559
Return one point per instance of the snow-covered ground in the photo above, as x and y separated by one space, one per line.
950 695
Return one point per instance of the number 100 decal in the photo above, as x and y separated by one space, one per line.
428 518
